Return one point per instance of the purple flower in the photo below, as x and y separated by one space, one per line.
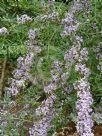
23 19
3 31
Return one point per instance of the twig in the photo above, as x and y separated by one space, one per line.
2 77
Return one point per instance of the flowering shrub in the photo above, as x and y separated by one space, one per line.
56 52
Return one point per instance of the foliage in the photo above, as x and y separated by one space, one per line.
53 48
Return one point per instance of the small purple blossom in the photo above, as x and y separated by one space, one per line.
23 19
32 33
3 31
82 69
83 55
50 88
53 16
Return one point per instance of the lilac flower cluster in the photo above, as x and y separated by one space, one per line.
72 55
32 33
84 102
43 18
41 127
56 76
3 31
77 6
46 109
24 19
46 106
87 6
83 55
70 23
56 71
22 76
50 87
82 69
83 106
